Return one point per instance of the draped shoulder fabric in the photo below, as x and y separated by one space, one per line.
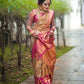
43 49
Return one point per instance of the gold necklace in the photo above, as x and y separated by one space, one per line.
41 11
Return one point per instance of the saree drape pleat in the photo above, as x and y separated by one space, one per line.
43 51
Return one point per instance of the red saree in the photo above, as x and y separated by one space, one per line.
43 48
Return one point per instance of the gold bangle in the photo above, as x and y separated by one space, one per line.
32 32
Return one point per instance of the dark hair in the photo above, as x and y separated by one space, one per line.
41 1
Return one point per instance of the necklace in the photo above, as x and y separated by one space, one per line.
39 11
42 11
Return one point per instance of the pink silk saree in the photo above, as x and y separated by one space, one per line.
43 49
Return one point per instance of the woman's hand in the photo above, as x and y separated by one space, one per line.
35 35
51 33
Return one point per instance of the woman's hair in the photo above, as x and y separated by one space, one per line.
41 1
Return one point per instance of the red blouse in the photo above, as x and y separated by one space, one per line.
34 18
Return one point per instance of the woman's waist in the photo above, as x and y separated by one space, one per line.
41 29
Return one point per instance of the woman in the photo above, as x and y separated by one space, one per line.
41 26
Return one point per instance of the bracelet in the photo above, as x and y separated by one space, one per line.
32 32
53 29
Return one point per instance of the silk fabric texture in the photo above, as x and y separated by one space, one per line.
43 49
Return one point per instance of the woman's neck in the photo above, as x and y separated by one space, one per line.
42 11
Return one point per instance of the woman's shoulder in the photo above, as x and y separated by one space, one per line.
51 11
33 11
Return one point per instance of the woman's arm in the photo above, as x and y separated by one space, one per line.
52 29
30 21
53 23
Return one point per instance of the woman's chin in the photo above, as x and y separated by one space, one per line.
46 10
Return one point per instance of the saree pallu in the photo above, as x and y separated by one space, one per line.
43 52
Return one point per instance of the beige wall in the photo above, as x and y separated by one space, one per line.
73 20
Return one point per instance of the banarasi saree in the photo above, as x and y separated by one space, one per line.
43 49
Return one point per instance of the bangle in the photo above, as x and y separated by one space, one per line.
32 32
53 28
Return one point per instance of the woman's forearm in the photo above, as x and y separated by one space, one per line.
30 29
53 28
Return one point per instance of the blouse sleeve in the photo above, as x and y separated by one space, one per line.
53 23
30 21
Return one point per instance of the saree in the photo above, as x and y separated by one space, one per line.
43 50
